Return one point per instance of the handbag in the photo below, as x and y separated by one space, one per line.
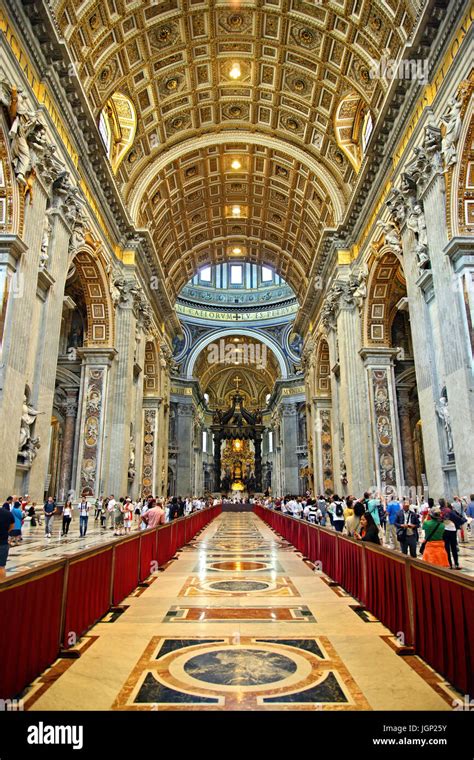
423 544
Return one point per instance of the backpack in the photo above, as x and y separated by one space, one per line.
339 509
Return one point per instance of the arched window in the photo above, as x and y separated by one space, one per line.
117 127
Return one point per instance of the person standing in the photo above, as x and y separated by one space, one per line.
118 518
373 509
127 515
18 516
49 510
393 508
470 514
7 522
338 513
155 516
98 508
67 517
434 548
353 521
451 522
406 524
322 506
8 503
111 511
83 509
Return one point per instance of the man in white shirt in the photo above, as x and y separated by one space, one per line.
110 512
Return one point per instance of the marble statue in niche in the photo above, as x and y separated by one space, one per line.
417 224
131 460
442 410
28 418
45 242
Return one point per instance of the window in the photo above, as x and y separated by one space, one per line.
236 274
117 127
267 274
204 441
270 442
205 274
105 133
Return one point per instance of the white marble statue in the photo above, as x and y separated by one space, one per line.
442 410
28 417
452 121
45 242
391 234
417 224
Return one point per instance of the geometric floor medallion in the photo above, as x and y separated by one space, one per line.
238 586
251 674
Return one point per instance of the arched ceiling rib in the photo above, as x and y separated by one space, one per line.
297 61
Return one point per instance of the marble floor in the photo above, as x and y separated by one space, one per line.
239 621
36 550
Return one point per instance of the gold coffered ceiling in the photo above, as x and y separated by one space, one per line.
296 62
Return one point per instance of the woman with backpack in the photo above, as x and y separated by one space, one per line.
338 514
452 523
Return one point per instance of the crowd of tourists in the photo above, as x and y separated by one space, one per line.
433 531
121 515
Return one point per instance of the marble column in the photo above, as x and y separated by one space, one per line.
353 401
65 477
51 285
217 462
149 474
406 436
258 463
90 478
452 343
185 448
324 458
383 405
19 260
121 395
289 442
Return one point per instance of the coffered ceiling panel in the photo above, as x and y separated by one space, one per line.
272 70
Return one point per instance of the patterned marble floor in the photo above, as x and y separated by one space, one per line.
277 637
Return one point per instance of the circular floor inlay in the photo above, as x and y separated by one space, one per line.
238 565
243 667
239 586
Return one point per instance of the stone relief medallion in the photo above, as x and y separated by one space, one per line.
306 37
163 36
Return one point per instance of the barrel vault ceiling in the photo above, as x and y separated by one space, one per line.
304 73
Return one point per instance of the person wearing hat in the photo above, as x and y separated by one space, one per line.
434 550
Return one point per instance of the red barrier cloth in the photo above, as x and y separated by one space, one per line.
327 553
350 567
313 544
125 569
165 544
444 627
147 553
387 596
30 616
88 594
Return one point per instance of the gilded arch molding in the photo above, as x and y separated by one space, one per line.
386 285
100 312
